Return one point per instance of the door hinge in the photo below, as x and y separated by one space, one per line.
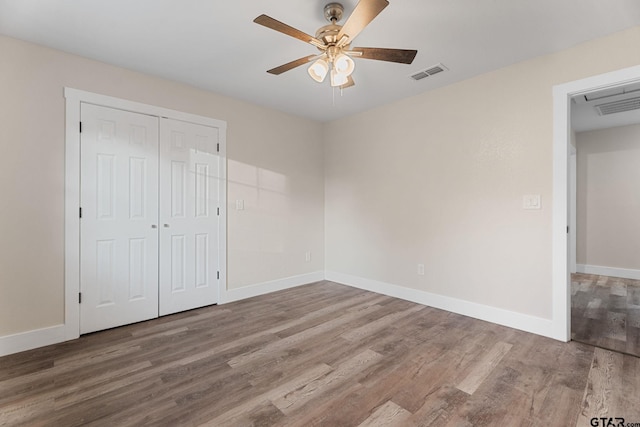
567 229
218 147
79 297
80 127
218 275
218 211
80 212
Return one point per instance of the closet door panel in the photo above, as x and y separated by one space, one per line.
118 227
189 200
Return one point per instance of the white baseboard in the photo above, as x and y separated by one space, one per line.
523 322
32 339
29 340
625 273
244 292
55 334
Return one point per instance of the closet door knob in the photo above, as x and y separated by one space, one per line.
166 226
154 226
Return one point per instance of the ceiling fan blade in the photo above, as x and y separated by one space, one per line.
291 65
349 83
283 28
363 14
403 56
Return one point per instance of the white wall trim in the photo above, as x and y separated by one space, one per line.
29 340
523 322
222 219
562 94
573 209
138 107
625 273
244 292
74 99
71 218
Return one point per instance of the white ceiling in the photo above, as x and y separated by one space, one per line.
214 44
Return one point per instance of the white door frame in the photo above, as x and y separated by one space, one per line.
562 95
573 209
74 98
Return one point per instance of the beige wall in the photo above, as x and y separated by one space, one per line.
439 178
608 197
435 179
275 164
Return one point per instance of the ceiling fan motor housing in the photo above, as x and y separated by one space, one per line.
333 12
328 34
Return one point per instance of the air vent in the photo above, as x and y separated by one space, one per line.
429 72
618 106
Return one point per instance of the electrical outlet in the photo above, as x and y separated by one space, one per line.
307 256
420 269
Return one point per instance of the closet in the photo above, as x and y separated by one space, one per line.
149 219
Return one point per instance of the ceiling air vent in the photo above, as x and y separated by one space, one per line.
429 72
618 106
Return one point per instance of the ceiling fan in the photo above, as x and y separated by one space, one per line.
334 43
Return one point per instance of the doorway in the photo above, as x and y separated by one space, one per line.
562 215
604 207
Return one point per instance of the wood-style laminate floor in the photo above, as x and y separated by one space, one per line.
605 312
321 354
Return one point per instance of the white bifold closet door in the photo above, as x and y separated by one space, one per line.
149 226
189 179
118 225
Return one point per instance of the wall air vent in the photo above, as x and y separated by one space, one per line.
618 106
429 72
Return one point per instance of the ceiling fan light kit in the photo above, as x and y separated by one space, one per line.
318 70
334 41
343 64
338 79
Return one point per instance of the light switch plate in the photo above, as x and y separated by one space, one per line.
239 205
531 202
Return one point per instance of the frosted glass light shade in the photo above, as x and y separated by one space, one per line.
344 65
318 70
337 78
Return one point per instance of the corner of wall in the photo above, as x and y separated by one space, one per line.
231 295
523 322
